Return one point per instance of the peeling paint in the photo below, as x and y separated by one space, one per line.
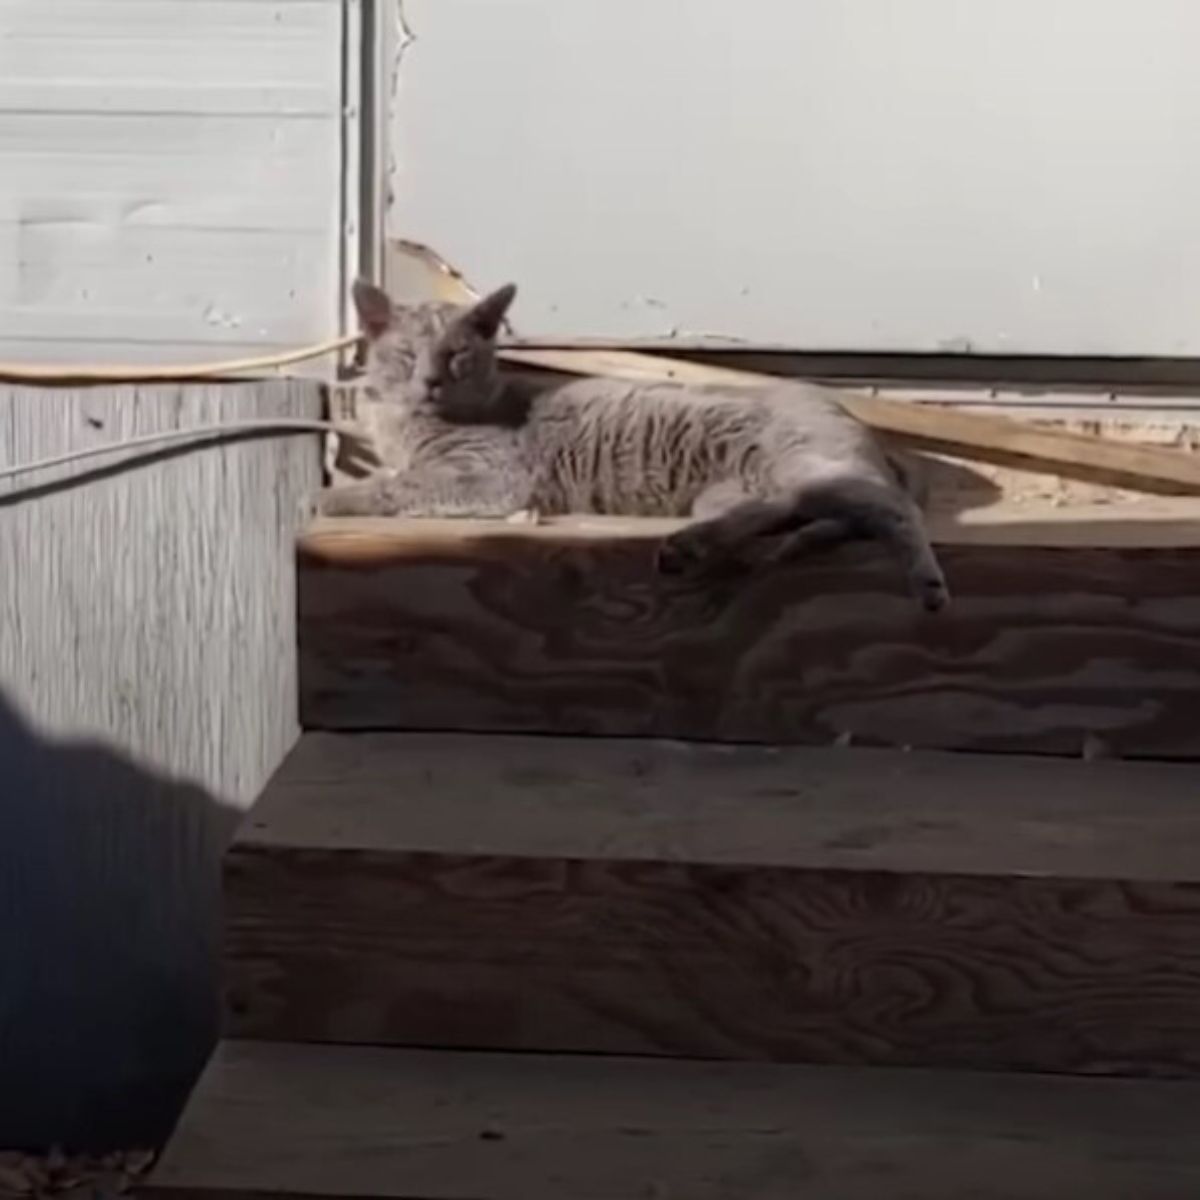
700 338
404 38
215 316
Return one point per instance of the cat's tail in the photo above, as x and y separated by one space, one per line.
882 513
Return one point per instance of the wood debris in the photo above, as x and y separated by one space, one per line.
74 1175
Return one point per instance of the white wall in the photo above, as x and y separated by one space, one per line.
898 175
169 177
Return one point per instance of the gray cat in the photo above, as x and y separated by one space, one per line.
767 474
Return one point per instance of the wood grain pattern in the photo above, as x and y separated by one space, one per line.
1064 649
845 941
285 1121
147 691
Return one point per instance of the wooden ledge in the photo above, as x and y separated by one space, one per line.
320 1121
619 800
1072 630
831 905
1150 523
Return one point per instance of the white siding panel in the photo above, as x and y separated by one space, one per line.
893 175
169 177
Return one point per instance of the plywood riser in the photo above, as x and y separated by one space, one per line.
1063 649
704 961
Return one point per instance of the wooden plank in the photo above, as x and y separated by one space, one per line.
324 1121
147 692
1101 525
994 439
744 903
635 800
1082 636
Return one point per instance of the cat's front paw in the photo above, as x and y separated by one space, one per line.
524 516
354 500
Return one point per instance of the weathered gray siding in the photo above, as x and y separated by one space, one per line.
147 616
171 190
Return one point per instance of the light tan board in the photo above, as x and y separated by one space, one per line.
1073 631
958 483
276 1121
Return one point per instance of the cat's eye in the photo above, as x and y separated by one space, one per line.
459 362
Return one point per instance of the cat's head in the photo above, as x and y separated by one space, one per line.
440 355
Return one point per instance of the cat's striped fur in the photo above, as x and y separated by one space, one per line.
768 473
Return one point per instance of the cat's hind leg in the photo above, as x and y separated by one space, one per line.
682 553
742 550
888 515
825 533
816 515
724 533
741 547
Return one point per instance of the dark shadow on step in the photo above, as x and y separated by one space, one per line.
109 893
946 486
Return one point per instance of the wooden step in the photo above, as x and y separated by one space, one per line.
322 1121
820 905
1072 630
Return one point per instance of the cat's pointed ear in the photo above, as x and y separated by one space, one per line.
373 307
488 315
